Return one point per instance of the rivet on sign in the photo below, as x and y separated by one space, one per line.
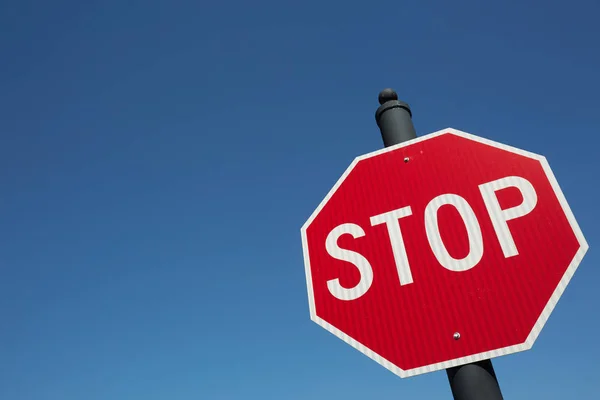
406 159
456 336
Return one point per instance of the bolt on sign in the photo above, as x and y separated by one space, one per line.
441 251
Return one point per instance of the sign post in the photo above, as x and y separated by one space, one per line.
440 252
474 381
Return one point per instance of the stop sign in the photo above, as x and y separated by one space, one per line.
440 251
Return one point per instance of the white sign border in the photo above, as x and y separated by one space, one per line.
583 247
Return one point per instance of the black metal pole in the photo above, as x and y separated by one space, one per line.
394 119
475 381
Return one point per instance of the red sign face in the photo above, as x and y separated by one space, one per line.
441 251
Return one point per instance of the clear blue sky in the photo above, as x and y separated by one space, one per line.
158 158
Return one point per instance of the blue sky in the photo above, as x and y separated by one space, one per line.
158 159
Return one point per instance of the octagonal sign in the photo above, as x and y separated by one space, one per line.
444 250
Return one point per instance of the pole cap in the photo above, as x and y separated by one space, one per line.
388 98
387 95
